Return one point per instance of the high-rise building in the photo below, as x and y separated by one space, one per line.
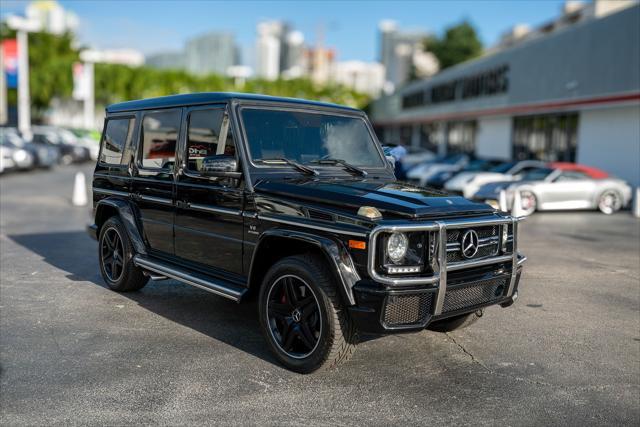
280 51
320 64
268 49
364 77
293 62
211 53
401 52
166 60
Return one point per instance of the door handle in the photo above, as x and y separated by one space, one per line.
182 205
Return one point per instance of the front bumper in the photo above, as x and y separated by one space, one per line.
385 311
387 303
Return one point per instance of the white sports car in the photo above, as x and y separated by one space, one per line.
566 188
467 183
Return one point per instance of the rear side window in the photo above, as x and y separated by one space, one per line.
117 134
209 135
159 136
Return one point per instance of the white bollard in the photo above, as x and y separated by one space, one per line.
636 204
516 209
79 190
502 201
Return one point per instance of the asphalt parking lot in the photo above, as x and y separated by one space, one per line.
73 352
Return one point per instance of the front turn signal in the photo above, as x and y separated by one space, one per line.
357 244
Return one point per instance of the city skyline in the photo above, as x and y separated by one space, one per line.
348 27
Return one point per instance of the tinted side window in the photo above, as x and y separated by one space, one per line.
209 134
159 136
116 136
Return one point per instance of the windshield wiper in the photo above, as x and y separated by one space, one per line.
302 168
347 166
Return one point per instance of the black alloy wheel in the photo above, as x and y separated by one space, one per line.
293 314
112 253
302 316
115 253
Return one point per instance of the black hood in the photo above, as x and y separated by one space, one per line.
388 196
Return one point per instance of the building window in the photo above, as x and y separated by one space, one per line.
432 136
461 137
548 138
405 135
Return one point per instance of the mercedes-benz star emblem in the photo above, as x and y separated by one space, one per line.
469 244
296 315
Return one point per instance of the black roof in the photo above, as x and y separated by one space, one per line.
209 98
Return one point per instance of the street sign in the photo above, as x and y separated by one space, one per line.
10 62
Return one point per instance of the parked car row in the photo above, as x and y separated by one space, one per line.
48 146
539 185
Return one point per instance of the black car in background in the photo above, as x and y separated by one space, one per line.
42 156
68 153
292 201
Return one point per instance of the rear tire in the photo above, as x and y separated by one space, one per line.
302 315
457 322
115 254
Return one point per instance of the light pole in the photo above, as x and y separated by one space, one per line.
89 58
23 27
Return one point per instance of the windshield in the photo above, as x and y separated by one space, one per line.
503 168
536 174
453 159
307 137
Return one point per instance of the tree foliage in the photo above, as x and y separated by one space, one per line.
459 43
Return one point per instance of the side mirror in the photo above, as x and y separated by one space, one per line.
220 165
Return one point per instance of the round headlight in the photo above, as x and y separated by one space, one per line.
397 246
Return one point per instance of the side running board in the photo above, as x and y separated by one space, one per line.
206 283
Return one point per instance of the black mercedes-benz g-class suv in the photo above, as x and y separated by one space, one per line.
294 202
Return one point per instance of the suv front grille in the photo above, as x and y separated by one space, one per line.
407 310
475 293
489 238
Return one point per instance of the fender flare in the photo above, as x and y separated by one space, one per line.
125 212
334 251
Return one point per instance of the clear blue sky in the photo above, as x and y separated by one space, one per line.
350 26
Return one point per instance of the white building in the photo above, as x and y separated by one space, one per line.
401 52
365 77
268 49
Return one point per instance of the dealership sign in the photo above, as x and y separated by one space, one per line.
10 62
490 82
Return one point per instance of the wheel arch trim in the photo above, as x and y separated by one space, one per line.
126 213
334 251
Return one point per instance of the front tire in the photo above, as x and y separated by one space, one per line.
115 253
609 202
302 315
529 202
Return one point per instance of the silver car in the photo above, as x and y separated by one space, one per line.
558 189
467 183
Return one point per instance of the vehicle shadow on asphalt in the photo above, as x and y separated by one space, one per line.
234 324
